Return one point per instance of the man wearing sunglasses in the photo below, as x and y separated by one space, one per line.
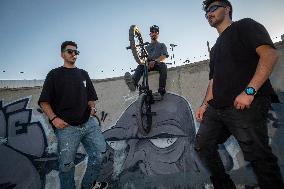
68 99
157 53
238 97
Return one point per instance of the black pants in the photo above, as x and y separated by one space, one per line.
249 128
161 67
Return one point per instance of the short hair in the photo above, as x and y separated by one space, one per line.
206 4
65 43
155 28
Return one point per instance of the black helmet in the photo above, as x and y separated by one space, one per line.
154 28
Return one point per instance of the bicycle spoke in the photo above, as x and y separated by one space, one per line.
137 46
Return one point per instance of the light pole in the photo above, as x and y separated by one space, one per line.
172 49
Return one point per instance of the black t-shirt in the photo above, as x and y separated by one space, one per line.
233 61
68 91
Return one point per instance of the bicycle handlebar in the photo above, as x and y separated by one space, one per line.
140 45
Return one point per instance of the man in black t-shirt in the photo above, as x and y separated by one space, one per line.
238 97
157 53
68 99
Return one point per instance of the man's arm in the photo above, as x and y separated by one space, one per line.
161 58
209 95
92 94
158 60
267 59
164 53
56 121
45 106
92 106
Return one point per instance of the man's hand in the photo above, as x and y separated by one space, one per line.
243 101
151 65
93 111
200 111
59 123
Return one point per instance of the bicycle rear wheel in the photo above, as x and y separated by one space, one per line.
137 46
144 114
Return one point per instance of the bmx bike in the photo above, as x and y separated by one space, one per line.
143 106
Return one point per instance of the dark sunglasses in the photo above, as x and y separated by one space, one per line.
71 51
154 31
212 9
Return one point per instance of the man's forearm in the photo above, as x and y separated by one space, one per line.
209 93
91 104
267 59
45 106
161 58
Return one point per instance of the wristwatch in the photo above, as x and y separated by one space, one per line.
53 118
250 91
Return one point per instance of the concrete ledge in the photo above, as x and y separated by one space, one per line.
280 44
13 84
5 84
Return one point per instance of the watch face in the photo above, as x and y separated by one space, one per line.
250 91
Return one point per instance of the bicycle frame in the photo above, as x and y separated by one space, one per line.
145 84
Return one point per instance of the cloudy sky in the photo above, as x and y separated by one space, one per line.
31 32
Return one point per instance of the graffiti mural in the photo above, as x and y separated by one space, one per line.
166 152
20 138
162 159
18 131
26 159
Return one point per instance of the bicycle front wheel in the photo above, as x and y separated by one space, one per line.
137 46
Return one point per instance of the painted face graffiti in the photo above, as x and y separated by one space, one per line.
165 150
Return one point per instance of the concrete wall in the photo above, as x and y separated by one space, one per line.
277 77
20 83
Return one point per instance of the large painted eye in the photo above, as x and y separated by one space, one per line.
163 142
117 145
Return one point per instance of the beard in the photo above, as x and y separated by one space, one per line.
72 61
214 22
154 38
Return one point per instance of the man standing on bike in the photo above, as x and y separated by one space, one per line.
157 53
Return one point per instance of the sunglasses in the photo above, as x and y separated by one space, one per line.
212 9
71 51
154 31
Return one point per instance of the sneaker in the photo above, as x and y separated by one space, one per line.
100 185
129 81
162 91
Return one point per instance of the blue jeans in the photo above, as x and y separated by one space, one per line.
69 139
